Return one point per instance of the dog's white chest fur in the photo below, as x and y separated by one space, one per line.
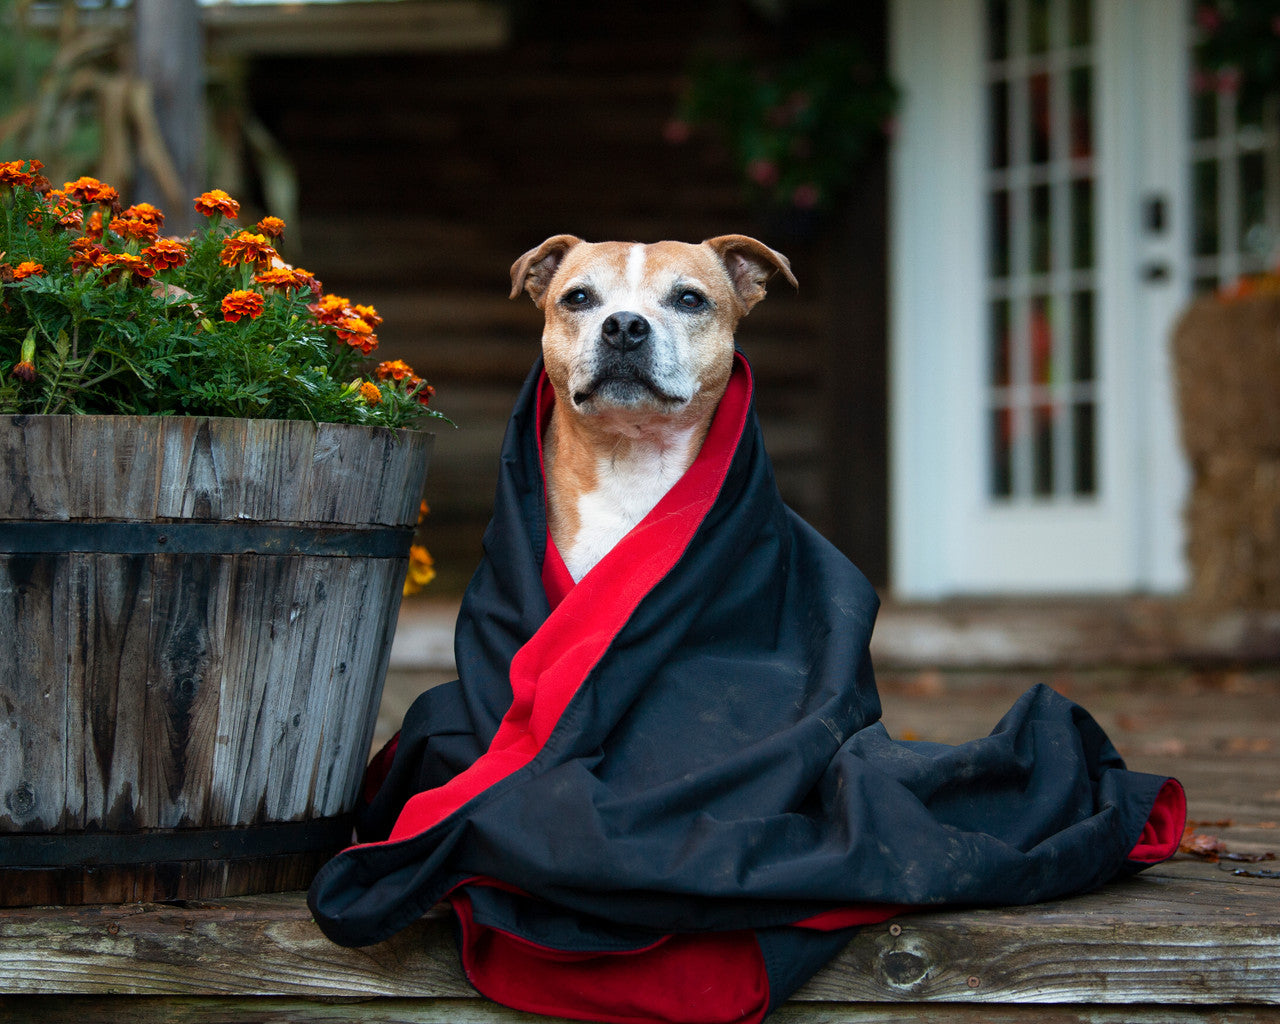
627 489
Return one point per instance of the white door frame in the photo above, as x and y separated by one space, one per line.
947 536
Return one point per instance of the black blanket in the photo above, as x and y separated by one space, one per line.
665 794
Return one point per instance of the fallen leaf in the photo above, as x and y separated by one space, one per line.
1203 846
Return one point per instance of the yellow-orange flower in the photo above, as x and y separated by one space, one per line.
126 261
370 392
242 303
331 305
144 211
369 315
356 333
272 227
215 202
12 173
27 269
87 254
422 570
166 253
396 369
136 228
91 190
246 247
283 277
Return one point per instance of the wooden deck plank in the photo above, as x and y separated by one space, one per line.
153 1010
1191 936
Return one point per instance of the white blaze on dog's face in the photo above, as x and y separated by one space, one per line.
638 345
642 335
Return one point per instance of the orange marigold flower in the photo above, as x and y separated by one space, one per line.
12 173
25 371
87 254
426 393
396 369
242 303
91 190
371 393
215 202
356 333
272 227
27 269
421 570
166 253
94 227
331 306
135 228
246 247
145 211
127 262
283 277
369 315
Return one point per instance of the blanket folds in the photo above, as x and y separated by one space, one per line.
664 794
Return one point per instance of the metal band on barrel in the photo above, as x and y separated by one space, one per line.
203 538
90 849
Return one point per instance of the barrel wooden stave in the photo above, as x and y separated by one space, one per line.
167 692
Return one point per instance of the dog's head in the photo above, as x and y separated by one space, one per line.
638 332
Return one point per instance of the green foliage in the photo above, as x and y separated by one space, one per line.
797 129
105 326
1239 40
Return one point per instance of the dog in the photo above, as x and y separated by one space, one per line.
638 344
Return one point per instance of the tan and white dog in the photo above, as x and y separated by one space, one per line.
638 346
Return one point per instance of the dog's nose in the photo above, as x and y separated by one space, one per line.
625 331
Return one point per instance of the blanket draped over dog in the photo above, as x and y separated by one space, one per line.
664 794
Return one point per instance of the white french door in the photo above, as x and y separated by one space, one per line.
1039 258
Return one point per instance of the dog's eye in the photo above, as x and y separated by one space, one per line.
690 299
577 297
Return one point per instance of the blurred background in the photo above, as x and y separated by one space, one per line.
1035 238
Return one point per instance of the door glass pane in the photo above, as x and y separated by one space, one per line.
1082 338
1205 183
1080 23
1041 229
1041 333
1001 442
1082 224
1001 344
1041 120
1080 99
998 29
1042 349
1000 238
999 115
1038 16
1044 420
1084 462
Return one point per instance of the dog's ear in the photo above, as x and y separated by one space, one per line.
533 271
750 264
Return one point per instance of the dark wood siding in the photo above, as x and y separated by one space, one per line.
423 177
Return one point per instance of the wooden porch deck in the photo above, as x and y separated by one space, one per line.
1189 940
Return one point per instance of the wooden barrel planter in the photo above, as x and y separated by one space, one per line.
198 614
